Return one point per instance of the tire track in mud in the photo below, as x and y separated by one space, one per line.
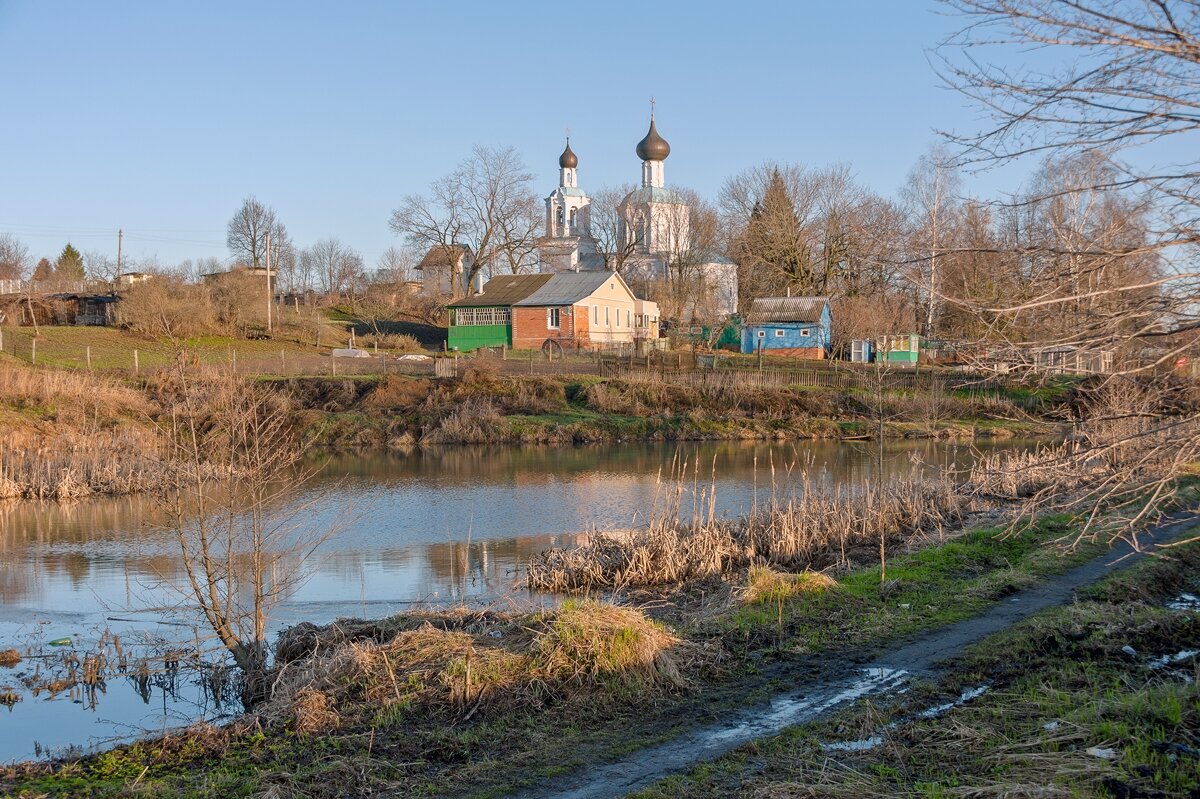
812 700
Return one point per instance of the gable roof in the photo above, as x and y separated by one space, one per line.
442 255
568 288
786 309
503 290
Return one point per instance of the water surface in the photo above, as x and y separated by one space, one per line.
435 526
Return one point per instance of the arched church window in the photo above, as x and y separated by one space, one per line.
560 215
573 217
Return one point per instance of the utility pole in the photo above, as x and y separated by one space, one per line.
269 297
120 236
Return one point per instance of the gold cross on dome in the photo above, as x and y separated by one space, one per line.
652 108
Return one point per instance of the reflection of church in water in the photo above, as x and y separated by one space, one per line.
652 228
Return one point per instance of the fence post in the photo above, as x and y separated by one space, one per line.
136 366
531 362
33 350
88 355
282 362
504 352
1 341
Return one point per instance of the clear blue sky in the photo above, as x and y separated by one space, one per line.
159 117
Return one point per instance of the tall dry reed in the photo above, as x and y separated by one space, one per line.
815 528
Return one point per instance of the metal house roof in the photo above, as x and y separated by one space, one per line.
503 290
786 309
568 288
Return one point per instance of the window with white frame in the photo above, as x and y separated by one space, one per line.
607 320
778 334
467 317
628 318
805 332
596 315
552 318
762 334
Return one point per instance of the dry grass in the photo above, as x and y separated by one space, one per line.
765 585
815 530
1017 474
475 421
72 465
9 657
395 342
448 671
70 394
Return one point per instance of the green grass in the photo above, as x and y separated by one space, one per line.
1059 684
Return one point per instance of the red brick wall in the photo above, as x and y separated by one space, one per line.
530 329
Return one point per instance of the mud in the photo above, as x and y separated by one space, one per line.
888 673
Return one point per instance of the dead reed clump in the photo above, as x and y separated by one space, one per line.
587 641
9 657
1017 475
765 585
475 421
815 529
313 712
472 660
394 391
72 465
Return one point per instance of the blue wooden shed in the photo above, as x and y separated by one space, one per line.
801 327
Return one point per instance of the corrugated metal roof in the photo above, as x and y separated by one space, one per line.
568 288
786 309
503 290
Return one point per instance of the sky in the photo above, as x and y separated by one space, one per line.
159 118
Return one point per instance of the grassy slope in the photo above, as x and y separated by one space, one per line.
411 754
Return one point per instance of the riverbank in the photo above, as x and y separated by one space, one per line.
426 718
482 408
68 434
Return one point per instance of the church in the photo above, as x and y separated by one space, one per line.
652 233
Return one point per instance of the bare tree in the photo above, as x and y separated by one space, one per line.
242 541
396 265
607 229
486 205
336 267
246 235
14 258
1113 76
931 195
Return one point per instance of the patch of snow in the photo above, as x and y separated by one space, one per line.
854 746
1103 754
1185 602
1178 657
966 696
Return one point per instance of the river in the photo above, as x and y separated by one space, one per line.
435 526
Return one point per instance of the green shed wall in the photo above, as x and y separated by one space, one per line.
466 338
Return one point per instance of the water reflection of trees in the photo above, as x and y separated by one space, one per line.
534 465
44 544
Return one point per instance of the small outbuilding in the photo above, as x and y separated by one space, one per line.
800 327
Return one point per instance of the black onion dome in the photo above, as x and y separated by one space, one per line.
568 159
653 147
